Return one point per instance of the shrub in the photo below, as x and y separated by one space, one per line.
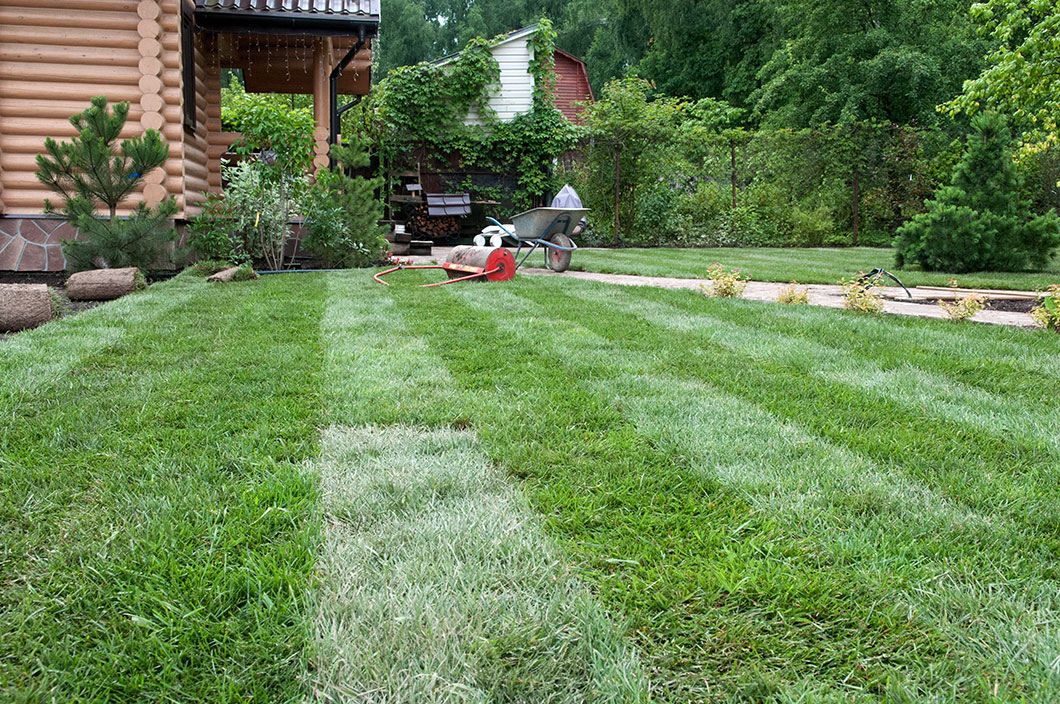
964 307
1047 314
980 221
93 168
724 284
342 213
210 232
794 295
859 296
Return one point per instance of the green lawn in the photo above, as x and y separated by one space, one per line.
315 487
811 266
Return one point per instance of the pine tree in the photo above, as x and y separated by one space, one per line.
92 171
343 220
980 222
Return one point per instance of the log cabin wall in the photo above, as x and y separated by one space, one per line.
54 56
196 144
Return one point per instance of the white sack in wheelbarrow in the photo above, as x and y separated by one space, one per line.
568 199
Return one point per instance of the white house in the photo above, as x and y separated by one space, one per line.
513 95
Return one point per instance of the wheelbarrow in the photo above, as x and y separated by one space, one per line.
549 228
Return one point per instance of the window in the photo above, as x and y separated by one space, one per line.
187 64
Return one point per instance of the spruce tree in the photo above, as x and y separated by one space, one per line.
343 220
93 171
980 222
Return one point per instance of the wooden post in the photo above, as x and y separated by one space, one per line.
618 181
857 201
322 57
732 167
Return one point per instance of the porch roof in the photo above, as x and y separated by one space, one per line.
315 17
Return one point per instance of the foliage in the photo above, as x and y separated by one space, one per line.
709 182
280 134
92 170
1047 313
851 60
626 152
342 212
860 296
141 240
724 284
1020 79
980 221
417 113
793 295
964 307
542 44
210 232
252 219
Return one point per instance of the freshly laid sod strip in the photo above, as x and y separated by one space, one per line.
806 265
438 587
436 584
156 521
771 532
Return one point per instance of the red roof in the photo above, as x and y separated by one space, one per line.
572 85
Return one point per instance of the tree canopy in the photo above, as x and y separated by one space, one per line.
1022 78
788 63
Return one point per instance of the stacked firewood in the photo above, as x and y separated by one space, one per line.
434 227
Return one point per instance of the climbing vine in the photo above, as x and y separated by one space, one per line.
418 113
543 62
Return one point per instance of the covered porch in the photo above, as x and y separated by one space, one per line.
321 48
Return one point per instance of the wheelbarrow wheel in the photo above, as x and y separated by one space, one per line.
557 259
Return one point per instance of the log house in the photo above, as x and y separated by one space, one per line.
165 58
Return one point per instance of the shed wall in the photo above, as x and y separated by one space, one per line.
572 86
514 93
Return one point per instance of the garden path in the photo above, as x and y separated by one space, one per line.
827 295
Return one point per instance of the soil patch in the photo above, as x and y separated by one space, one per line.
1020 306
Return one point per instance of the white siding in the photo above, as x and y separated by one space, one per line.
514 94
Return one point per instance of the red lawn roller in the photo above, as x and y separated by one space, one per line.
466 263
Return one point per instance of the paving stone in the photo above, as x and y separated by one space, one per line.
61 231
11 254
34 258
32 232
56 260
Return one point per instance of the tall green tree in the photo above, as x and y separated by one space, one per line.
846 60
1022 77
707 48
980 221
94 170
628 133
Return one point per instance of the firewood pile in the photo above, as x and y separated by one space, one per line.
432 227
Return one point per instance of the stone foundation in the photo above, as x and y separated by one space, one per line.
32 243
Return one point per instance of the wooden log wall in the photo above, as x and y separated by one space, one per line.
57 54
217 141
196 145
